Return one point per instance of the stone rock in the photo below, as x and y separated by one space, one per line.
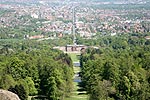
7 95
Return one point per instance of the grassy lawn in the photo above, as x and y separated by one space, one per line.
76 69
71 98
76 94
74 56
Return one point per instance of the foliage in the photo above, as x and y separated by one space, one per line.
117 71
21 89
31 86
36 69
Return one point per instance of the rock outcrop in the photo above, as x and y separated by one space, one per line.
7 95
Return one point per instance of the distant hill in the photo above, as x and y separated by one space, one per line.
120 1
77 0
110 1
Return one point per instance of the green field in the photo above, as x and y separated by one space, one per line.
76 94
74 56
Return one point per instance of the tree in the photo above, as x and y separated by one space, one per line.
111 72
7 81
16 68
52 89
31 85
21 89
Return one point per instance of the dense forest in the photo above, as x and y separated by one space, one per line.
29 68
118 70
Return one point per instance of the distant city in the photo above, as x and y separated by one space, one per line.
91 17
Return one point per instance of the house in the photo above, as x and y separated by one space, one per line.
36 37
60 35
147 37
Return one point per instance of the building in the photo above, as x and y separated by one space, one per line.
72 48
